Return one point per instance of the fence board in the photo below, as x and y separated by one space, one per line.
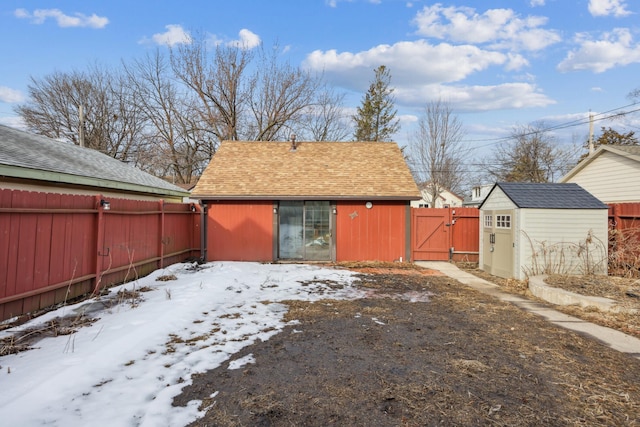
465 234
49 245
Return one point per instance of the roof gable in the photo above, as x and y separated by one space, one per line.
547 195
631 152
314 170
26 155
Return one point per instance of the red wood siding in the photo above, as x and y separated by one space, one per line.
54 247
376 234
240 231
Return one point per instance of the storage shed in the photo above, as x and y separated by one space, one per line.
310 201
535 228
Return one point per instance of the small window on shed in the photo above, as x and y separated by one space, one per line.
488 221
503 221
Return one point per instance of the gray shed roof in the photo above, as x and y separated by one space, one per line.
548 195
27 156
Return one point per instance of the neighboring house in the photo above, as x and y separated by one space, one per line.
35 163
533 228
312 201
478 194
445 199
611 173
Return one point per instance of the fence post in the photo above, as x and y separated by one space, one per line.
99 243
161 248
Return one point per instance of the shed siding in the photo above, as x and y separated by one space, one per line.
556 234
376 234
240 231
611 178
497 201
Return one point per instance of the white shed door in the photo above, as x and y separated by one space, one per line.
498 242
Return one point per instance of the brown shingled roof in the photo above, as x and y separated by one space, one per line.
315 170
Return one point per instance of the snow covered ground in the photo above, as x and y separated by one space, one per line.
125 369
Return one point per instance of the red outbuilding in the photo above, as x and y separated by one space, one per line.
307 201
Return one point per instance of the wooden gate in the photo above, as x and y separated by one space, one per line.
441 234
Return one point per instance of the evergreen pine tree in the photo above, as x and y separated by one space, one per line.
376 117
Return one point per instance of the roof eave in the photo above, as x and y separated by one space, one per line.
302 197
69 179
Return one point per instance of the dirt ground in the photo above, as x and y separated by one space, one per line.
421 350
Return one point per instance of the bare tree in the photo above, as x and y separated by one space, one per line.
530 155
174 136
436 149
236 104
325 119
169 115
280 95
111 120
220 80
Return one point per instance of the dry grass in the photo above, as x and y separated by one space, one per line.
626 291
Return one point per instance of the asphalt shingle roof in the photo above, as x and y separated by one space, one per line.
315 170
549 195
38 153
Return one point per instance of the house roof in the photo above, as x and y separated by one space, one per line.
548 195
631 152
315 170
33 157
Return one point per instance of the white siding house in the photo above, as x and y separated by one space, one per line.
612 174
445 199
477 196
535 228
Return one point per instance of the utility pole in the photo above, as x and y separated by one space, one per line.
81 126
590 133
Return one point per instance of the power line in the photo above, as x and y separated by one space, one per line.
605 115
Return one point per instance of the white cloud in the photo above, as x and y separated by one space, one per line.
608 7
174 35
501 28
415 62
247 40
535 3
616 48
10 95
39 16
421 71
476 97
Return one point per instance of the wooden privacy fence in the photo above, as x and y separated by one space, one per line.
441 234
624 239
54 247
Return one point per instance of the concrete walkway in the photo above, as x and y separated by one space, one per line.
611 337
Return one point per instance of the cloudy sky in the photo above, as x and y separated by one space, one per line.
498 63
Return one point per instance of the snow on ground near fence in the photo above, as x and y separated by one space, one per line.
125 369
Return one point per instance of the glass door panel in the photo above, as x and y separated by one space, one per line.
317 231
290 230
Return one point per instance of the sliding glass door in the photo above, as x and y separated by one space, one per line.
304 230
